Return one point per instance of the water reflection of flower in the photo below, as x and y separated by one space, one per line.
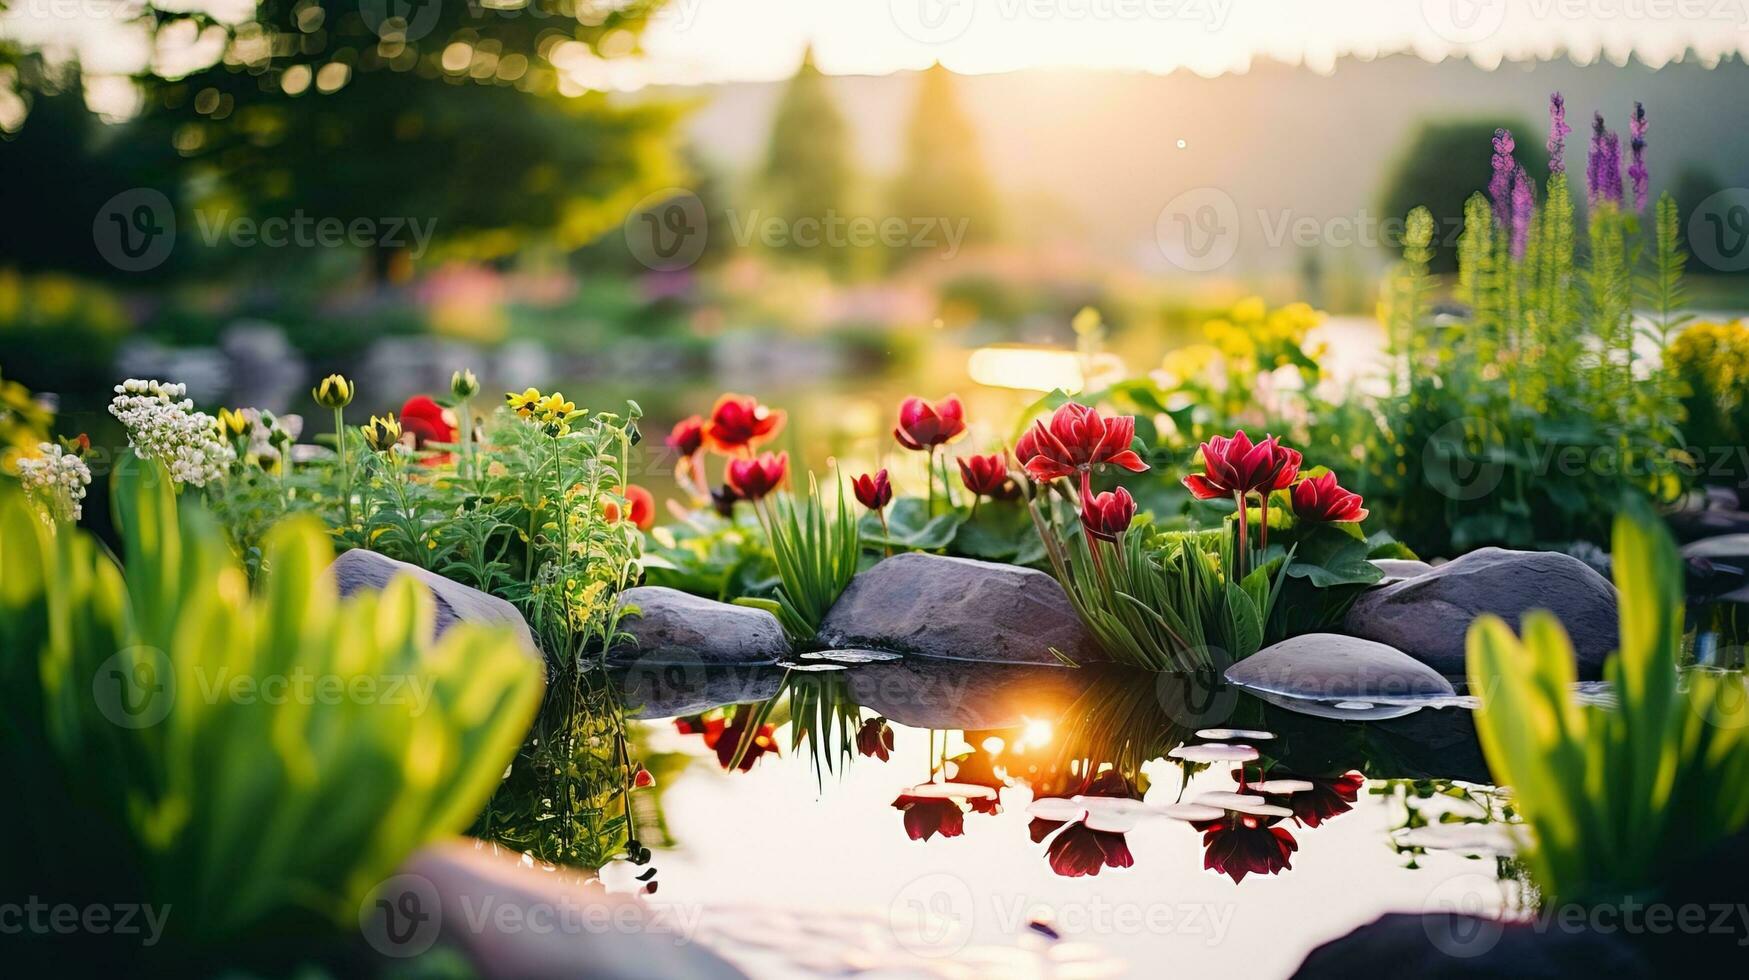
1239 844
1328 797
927 816
724 735
1077 849
875 738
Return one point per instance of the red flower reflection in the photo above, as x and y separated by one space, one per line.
724 736
1239 844
1079 850
1076 439
1108 515
875 738
924 425
927 816
987 476
754 478
1237 466
427 421
1330 796
738 423
1318 498
873 492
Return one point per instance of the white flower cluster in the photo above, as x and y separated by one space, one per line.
56 480
162 424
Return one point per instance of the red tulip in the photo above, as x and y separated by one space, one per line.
1318 498
924 425
875 738
1240 844
738 423
1236 466
987 476
687 436
427 421
1076 439
873 492
1108 515
928 816
754 478
1330 796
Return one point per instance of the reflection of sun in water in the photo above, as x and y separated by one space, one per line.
1036 733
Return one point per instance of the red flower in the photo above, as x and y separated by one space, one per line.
924 425
427 421
1080 850
725 736
1329 797
1240 844
987 476
1076 439
1318 498
687 436
723 500
754 478
875 738
642 779
738 423
873 492
1236 466
1108 514
928 816
641 504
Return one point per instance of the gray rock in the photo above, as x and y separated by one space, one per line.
1334 676
1719 548
456 603
674 690
1398 569
673 627
925 693
1428 616
959 609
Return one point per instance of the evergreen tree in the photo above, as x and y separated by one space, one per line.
808 173
944 174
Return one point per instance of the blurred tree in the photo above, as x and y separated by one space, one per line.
1448 160
807 174
57 172
944 174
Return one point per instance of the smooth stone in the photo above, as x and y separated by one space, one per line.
921 692
358 569
1398 569
961 609
1429 616
445 885
1722 547
1319 669
1453 944
678 690
675 627
1707 524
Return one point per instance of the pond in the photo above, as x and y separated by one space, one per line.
802 860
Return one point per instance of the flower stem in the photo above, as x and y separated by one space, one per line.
1244 519
930 483
345 470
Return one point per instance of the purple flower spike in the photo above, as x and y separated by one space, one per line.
1558 130
1637 147
1603 167
1500 185
1523 206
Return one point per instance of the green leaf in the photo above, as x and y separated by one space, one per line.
997 532
1247 624
910 528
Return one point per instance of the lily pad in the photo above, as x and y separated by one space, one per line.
1214 752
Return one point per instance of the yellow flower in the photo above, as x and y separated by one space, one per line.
1249 309
523 404
555 405
334 391
381 434
234 424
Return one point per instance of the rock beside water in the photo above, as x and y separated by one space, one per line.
1352 675
674 627
959 609
1429 615
359 569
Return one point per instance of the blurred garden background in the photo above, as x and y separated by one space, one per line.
831 204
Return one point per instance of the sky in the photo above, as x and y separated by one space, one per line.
706 41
